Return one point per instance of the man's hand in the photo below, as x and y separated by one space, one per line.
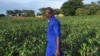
57 53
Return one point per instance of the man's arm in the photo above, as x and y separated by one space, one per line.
58 46
58 42
58 33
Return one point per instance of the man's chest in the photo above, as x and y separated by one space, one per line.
50 26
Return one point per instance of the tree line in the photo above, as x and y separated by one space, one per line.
76 7
26 13
69 8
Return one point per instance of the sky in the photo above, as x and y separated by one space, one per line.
33 4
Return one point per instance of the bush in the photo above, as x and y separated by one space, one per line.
82 12
98 12
2 15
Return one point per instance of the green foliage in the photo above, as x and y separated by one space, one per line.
70 6
2 15
27 13
82 12
42 11
22 37
27 37
30 13
17 12
93 8
10 13
98 12
57 11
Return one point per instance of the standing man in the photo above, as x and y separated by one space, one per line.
53 34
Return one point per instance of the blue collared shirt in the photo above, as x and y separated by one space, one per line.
53 29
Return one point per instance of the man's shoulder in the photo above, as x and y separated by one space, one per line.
55 21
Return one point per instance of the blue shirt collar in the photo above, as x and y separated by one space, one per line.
51 17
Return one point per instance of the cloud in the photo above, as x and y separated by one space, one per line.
29 4
32 4
35 3
16 1
29 1
89 1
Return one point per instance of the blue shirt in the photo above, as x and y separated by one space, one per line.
53 29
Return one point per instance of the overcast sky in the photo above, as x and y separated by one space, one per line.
33 4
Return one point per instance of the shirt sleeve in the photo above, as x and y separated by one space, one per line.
57 28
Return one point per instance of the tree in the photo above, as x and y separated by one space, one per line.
28 13
56 11
24 13
42 11
2 15
93 8
10 12
38 14
98 2
17 12
69 7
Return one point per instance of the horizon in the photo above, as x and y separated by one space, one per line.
28 4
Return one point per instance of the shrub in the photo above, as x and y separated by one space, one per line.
82 12
98 12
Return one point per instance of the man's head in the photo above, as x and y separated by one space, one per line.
48 12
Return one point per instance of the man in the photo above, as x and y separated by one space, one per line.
53 34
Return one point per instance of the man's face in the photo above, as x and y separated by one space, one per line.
47 13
